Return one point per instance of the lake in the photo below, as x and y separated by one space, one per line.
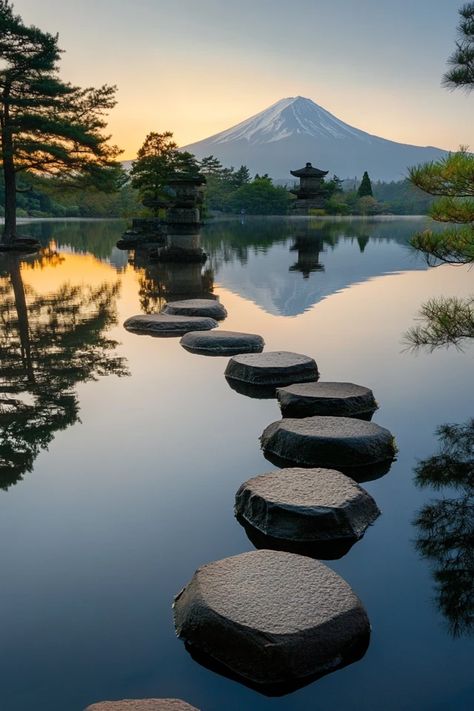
121 455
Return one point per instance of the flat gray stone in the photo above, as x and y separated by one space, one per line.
167 325
142 705
271 617
306 505
336 399
272 368
196 307
222 343
333 442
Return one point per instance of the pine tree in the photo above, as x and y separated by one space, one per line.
461 73
157 159
365 188
452 178
48 127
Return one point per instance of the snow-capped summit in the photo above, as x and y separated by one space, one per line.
295 130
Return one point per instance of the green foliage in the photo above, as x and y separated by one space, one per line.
230 190
37 197
402 198
445 321
48 127
452 178
365 188
157 160
260 197
461 73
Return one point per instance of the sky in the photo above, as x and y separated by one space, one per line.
196 67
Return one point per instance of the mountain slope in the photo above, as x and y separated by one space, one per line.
296 130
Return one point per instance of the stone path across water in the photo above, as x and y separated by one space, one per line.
167 325
222 343
306 505
326 398
334 442
272 618
142 705
272 368
196 307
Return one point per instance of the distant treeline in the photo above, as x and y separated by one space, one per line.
229 190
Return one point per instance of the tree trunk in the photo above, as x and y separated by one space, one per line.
22 313
9 230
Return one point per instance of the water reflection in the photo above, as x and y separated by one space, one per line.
322 550
256 258
160 282
349 656
445 526
360 474
48 344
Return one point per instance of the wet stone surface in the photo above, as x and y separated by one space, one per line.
333 442
306 505
196 307
272 368
272 618
222 343
142 705
326 398
167 325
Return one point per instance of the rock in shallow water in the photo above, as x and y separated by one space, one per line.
196 307
142 705
333 399
222 343
272 368
272 618
167 325
333 442
306 505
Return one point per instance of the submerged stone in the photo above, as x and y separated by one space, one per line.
333 442
222 343
272 368
196 307
142 705
336 399
306 505
271 618
167 325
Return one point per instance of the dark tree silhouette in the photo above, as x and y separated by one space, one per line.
47 127
445 321
445 527
48 344
365 188
461 72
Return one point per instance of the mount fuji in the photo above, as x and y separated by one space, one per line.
296 130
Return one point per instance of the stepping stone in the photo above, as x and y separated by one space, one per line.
196 307
333 442
306 505
142 705
166 325
272 368
272 618
222 343
337 399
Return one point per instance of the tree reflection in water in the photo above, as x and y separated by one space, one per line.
445 527
48 344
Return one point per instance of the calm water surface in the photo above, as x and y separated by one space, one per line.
120 456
